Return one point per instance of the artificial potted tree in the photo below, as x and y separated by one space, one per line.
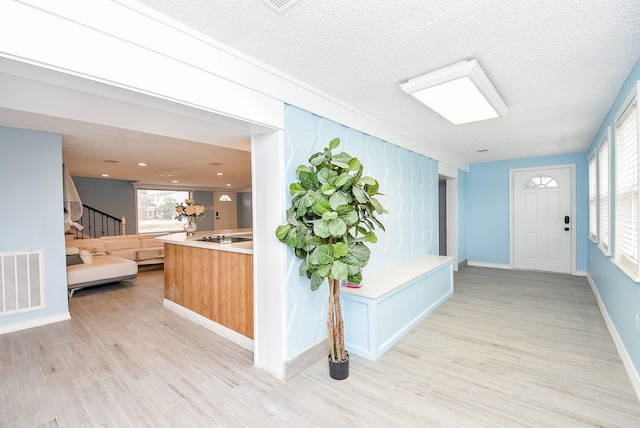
331 218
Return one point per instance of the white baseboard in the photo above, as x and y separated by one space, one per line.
580 273
205 322
36 322
301 362
489 265
622 351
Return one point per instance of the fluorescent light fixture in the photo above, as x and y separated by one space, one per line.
461 93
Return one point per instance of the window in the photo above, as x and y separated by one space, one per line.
541 182
626 189
603 192
593 225
157 209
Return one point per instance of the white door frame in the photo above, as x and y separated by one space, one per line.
574 222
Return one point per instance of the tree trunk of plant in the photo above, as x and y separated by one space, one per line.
335 324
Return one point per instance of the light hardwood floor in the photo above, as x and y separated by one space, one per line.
508 349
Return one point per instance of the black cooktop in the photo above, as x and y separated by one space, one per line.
224 239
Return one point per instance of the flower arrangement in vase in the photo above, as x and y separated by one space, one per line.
189 210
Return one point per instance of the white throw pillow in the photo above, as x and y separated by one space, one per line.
86 257
71 251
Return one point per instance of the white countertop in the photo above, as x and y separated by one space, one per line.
181 238
375 285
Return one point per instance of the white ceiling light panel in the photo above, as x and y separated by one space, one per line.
461 93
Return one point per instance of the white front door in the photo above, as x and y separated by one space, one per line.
225 210
542 219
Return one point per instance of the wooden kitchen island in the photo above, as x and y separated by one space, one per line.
211 283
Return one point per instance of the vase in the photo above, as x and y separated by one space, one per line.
339 370
190 226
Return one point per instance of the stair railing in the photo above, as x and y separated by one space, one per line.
97 223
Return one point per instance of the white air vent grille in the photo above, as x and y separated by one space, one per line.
21 282
280 5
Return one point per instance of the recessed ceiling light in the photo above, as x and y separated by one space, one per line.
105 175
142 164
166 174
174 181
228 185
219 173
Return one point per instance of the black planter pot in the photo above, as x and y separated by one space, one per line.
339 370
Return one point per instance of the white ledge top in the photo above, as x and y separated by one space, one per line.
378 284
181 238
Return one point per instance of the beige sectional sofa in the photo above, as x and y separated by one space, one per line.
109 259
142 249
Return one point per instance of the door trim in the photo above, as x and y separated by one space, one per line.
574 223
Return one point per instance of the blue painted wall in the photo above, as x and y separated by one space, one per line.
114 197
245 219
620 295
31 177
410 183
462 215
488 207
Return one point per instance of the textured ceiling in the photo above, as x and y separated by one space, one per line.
557 65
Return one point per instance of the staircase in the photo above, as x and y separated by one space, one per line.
97 224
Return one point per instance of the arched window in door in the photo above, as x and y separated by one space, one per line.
542 181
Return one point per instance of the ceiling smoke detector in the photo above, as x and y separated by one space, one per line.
280 5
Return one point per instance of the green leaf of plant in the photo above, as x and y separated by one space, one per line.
340 250
321 206
341 160
326 175
325 270
301 168
337 227
282 231
296 189
291 237
309 180
327 189
360 252
354 164
341 179
322 255
317 159
329 215
304 268
348 214
355 278
333 144
360 195
378 206
308 199
368 180
371 237
339 270
316 280
337 199
321 228
372 189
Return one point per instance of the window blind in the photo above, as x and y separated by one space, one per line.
626 203
603 194
592 198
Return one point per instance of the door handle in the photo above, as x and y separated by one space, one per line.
566 219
